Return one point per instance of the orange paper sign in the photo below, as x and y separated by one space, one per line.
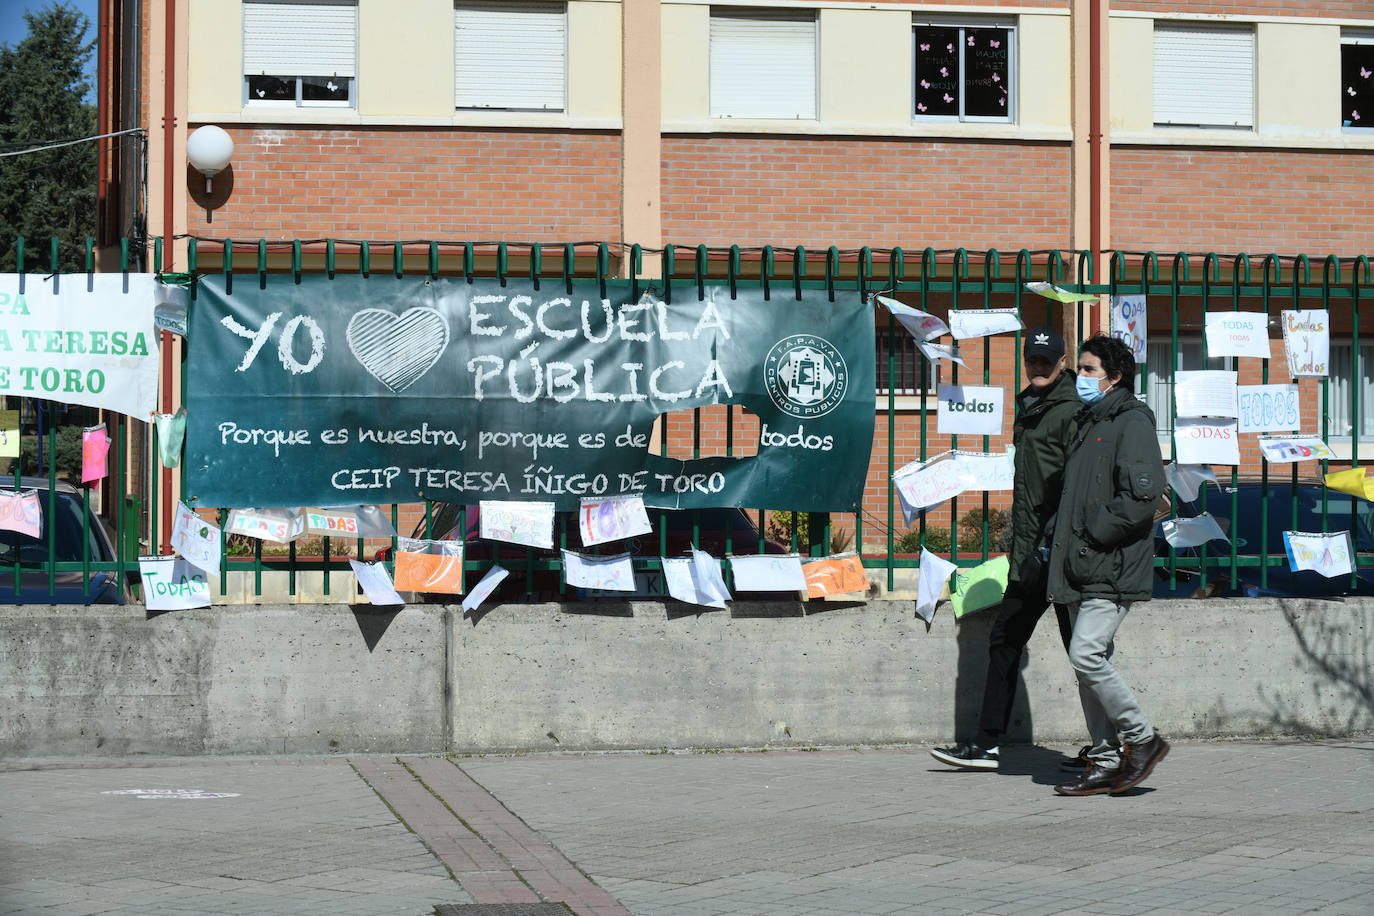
835 576
437 568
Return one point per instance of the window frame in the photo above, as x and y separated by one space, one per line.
1338 400
533 8
298 79
1358 38
961 23
717 103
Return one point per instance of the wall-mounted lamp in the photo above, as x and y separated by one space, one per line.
209 150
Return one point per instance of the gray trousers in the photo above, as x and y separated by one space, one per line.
1109 707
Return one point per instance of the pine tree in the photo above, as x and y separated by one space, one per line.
49 194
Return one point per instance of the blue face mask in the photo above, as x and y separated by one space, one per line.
1088 389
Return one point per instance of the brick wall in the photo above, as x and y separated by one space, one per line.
1341 9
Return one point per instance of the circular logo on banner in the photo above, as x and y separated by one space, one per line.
805 376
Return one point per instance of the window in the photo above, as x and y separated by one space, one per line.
510 56
300 54
763 64
906 375
964 72
1339 392
1357 80
1204 75
1159 378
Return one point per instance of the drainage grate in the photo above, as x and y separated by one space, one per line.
501 909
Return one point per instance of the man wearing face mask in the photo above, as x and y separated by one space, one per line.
1043 428
1102 558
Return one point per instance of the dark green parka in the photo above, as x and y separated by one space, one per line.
1042 433
1103 536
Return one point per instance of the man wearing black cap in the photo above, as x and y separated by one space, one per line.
1042 432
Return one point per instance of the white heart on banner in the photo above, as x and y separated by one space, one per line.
397 349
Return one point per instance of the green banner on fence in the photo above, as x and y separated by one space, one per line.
364 390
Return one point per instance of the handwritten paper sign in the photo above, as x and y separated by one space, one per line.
280 526
686 584
1049 291
173 584
431 566
1187 479
936 352
970 409
614 573
95 447
840 574
612 519
929 483
768 573
1268 408
530 524
9 434
1193 532
483 589
1206 393
1238 334
1307 342
965 323
20 511
1287 449
1328 554
171 434
196 539
1205 441
991 471
930 584
920 325
1129 324
331 523
376 583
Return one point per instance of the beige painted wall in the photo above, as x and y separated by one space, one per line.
215 67
1297 71
594 60
686 62
1131 68
865 66
1043 53
417 34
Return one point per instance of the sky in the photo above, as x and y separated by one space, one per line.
13 28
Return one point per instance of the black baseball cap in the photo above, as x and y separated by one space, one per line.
1044 342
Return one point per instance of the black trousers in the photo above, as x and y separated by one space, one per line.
1023 604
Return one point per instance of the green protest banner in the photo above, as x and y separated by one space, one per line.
318 391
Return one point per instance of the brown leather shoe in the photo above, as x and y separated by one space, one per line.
1138 761
1094 781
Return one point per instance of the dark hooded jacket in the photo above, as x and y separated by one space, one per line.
1042 433
1103 536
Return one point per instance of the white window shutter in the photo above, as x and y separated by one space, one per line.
763 65
1204 75
300 39
510 55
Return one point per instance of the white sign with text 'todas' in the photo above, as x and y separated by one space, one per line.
970 409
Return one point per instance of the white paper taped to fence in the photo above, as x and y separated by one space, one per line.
921 485
1238 334
196 539
280 526
1192 532
706 572
966 323
684 584
614 573
1206 441
1206 393
930 583
612 518
921 325
973 410
1328 554
1128 324
769 572
1268 408
375 582
1050 291
1307 342
482 590
936 352
1288 449
530 524
172 584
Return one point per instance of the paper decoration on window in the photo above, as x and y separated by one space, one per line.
1327 554
612 518
95 448
1206 441
1193 532
920 325
841 574
930 584
1187 478
171 434
172 584
196 539
966 323
429 566
1287 449
1238 334
969 410
483 589
1354 481
1307 342
1206 393
530 524
921 485
375 583
1268 408
280 526
20 511
1129 325
614 573
685 582
979 587
769 572
936 352
1050 291
9 434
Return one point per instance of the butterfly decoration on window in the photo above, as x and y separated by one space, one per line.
925 84
1354 115
920 106
1349 90
925 47
948 98
996 78
995 43
332 86
950 46
944 71
970 41
1366 74
262 93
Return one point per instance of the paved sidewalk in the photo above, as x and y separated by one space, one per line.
1244 827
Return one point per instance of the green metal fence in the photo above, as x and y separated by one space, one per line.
929 279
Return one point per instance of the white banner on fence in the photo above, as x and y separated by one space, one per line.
172 584
1307 342
965 323
80 339
969 410
1205 393
1200 441
768 572
1268 408
1287 449
1128 324
1238 334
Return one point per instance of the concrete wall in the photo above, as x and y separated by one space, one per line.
300 679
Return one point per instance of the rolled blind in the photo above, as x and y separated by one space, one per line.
1204 75
300 39
509 55
763 64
